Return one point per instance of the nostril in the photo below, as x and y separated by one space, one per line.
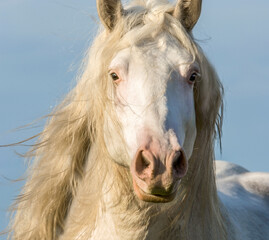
143 166
179 165
145 162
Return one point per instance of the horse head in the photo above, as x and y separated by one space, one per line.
153 77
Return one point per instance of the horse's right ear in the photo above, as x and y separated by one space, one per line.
109 11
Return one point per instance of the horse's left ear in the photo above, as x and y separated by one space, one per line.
188 12
109 11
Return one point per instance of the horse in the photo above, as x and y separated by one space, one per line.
129 152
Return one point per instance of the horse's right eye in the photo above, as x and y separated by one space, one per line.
114 76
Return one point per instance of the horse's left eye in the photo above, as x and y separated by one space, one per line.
114 76
194 77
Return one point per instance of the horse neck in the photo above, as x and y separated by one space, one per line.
126 217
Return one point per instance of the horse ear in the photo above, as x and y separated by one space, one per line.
188 12
109 11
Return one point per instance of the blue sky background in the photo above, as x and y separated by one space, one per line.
42 44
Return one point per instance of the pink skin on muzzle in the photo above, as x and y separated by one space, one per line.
156 173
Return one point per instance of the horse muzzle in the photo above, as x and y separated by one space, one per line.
155 178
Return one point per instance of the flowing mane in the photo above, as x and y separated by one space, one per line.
71 165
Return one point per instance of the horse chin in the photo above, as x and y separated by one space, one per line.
153 198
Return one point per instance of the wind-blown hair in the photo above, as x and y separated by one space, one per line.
71 154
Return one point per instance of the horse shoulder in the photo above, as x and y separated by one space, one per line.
245 196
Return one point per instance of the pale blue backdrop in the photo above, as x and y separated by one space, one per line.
43 42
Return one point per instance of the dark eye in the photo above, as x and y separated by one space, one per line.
114 76
194 76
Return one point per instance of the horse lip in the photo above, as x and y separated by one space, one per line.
155 198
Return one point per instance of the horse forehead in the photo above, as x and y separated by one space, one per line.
163 51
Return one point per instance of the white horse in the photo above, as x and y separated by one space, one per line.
129 153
